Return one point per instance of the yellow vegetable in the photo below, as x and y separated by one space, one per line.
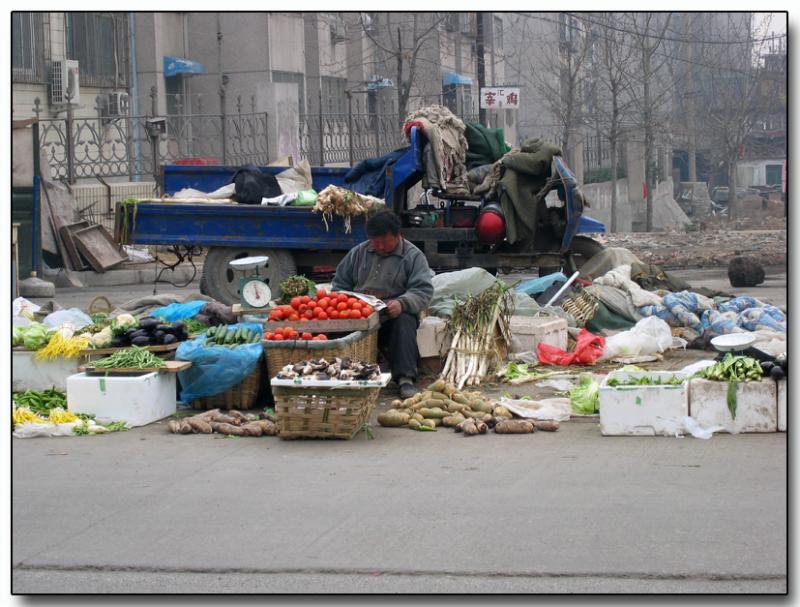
65 347
23 415
60 416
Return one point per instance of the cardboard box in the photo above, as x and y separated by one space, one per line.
756 405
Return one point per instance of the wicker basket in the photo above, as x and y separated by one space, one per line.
359 345
322 412
241 396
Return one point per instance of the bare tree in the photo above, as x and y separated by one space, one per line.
734 98
613 57
402 38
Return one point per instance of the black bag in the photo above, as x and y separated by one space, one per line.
251 185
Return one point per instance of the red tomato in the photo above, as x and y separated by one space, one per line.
306 336
296 301
366 310
305 299
342 305
278 337
302 308
312 304
322 316
355 313
294 334
308 315
329 309
333 313
333 294
321 293
322 337
303 319
342 299
324 302
351 301
357 304
269 335
344 314
294 317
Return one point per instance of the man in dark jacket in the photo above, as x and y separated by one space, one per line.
389 267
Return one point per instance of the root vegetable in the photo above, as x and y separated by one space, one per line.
174 426
268 428
435 412
500 411
397 404
547 425
437 386
252 429
226 419
393 418
413 424
428 422
513 426
228 429
452 420
199 425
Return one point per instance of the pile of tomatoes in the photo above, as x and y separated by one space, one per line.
323 306
288 333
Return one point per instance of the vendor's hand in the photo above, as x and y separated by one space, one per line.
394 308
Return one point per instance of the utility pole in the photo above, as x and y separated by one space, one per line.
481 64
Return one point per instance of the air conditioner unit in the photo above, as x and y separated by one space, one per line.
65 82
118 104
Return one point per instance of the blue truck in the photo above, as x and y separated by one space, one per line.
296 240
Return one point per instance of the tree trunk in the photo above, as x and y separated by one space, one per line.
733 202
648 142
613 145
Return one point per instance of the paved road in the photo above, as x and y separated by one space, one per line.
569 511
147 511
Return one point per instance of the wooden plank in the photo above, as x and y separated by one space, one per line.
172 366
98 247
66 232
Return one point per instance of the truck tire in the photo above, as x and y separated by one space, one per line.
581 250
222 283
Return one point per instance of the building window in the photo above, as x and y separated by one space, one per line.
99 42
498 33
27 52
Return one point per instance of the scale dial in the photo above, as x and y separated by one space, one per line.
255 294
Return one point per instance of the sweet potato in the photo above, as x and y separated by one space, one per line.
268 428
174 426
513 426
547 425
252 429
199 425
228 429
227 419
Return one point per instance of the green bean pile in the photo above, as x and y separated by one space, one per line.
41 402
130 358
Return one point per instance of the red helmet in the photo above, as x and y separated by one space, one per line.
491 225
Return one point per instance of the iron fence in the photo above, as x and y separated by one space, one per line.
78 148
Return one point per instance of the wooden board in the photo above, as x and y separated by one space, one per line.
315 326
68 240
98 247
172 366
165 348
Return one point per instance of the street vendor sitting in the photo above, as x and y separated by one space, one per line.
389 267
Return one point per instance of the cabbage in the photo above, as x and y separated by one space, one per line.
585 397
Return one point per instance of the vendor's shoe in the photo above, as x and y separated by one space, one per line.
406 388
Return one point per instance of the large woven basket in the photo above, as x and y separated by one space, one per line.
322 412
359 345
241 396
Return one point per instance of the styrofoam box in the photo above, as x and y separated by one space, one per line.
782 405
27 373
530 331
136 399
643 410
431 337
756 405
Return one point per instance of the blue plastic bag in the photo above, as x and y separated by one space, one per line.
179 311
216 368
534 286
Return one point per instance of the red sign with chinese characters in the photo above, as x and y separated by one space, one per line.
500 98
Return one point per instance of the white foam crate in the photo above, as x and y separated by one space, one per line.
756 405
27 373
530 331
137 399
782 400
647 410
431 338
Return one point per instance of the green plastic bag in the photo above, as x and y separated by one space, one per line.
305 198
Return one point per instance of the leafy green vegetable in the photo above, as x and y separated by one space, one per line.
297 285
32 337
585 397
645 380
738 368
731 398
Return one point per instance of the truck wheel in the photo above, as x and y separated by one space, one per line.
579 253
222 283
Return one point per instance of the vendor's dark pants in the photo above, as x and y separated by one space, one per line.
397 339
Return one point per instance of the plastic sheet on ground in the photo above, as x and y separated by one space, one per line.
557 409
605 260
693 428
535 286
620 277
33 430
451 288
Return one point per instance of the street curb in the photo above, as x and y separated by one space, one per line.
123 276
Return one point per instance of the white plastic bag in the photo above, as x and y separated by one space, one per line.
22 307
74 317
648 336
557 409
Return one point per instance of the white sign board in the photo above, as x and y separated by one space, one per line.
500 98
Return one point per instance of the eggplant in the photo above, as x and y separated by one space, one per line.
777 373
169 339
766 367
163 328
178 325
142 340
119 341
148 324
158 337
